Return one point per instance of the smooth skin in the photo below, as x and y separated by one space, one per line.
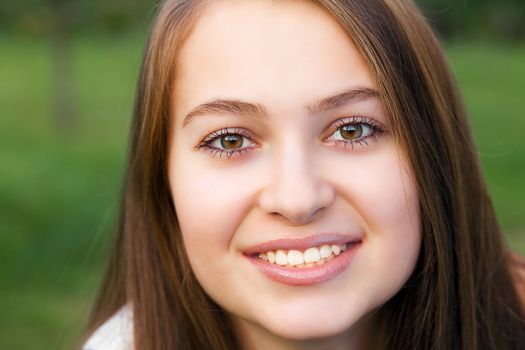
292 173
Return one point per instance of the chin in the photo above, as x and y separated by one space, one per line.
307 327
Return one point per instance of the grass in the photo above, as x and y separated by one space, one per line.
492 81
59 191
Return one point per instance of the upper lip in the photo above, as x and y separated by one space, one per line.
301 243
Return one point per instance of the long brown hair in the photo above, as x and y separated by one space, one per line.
461 294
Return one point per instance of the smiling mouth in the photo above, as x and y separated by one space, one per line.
304 261
310 257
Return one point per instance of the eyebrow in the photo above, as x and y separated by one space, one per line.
238 107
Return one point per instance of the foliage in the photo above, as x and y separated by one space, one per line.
37 18
503 19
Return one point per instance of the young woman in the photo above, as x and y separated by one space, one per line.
302 176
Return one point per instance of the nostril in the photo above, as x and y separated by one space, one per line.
296 196
300 217
295 209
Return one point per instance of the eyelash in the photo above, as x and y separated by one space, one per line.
206 144
376 130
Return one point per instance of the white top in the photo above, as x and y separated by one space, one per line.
114 334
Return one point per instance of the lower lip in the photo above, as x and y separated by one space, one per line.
302 276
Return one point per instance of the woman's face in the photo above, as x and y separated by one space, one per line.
282 156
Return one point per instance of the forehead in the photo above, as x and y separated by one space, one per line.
281 54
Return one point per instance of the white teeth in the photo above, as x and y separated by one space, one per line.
325 251
311 255
295 257
280 258
336 249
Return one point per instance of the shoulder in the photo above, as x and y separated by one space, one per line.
114 334
518 273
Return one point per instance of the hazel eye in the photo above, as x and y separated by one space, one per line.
352 132
230 142
355 131
227 142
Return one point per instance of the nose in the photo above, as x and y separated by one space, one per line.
295 191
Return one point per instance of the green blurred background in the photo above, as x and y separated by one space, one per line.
67 75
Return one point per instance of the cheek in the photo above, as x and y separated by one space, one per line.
210 204
389 202
380 187
382 192
397 231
